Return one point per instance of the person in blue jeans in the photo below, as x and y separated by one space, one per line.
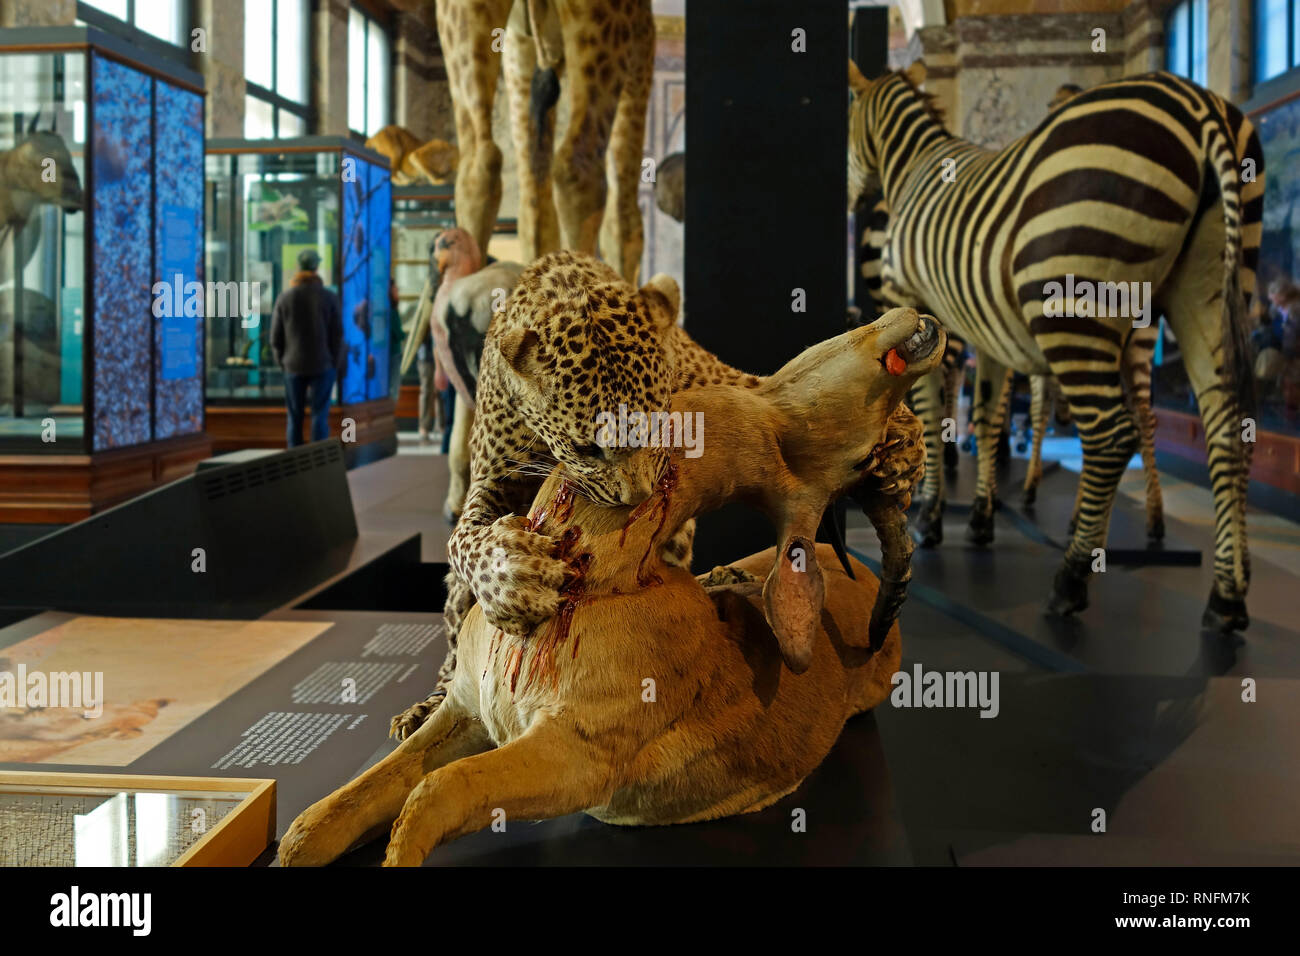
307 341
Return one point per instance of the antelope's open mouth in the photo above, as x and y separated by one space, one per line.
919 345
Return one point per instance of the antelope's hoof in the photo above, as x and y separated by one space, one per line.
1069 593
980 530
1030 496
929 524
1156 531
1225 615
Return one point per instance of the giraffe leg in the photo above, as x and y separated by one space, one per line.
465 32
992 384
529 91
579 167
621 238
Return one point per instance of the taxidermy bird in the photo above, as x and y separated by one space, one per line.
456 306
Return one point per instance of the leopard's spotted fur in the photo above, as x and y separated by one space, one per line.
574 340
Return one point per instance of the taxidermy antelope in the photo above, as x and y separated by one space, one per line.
37 170
649 698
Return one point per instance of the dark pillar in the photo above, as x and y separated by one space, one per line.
765 200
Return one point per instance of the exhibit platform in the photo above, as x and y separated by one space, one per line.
1128 709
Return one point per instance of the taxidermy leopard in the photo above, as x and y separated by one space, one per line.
575 340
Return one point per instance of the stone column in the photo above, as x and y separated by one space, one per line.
329 67
1230 54
38 13
421 96
221 63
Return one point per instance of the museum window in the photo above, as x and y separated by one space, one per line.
1186 35
370 71
143 22
276 62
1277 37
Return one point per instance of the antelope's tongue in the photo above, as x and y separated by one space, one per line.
895 364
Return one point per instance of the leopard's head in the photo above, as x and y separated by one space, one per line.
587 351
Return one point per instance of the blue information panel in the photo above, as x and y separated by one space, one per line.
178 253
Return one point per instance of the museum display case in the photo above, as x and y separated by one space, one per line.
102 241
124 820
1274 321
267 202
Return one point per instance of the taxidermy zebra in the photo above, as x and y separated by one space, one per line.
1135 365
1150 184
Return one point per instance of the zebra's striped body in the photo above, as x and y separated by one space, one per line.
1135 181
1136 366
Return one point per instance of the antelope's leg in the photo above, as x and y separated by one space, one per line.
548 772
326 829
1038 422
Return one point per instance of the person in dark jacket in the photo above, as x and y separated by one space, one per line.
307 340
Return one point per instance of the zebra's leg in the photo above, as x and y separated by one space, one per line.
1229 460
990 404
925 401
1038 422
1137 381
953 372
1109 437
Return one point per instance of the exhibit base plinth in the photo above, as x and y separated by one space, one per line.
63 489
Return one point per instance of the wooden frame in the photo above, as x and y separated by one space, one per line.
238 838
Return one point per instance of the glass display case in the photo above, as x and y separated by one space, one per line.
100 235
123 820
1275 313
266 203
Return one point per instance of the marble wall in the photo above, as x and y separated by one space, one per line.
994 64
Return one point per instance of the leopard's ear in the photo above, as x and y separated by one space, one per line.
519 348
664 300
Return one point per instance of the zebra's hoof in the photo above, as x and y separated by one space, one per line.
980 530
1069 593
1156 531
950 455
929 524
1224 615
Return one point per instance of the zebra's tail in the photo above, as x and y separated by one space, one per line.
1220 148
